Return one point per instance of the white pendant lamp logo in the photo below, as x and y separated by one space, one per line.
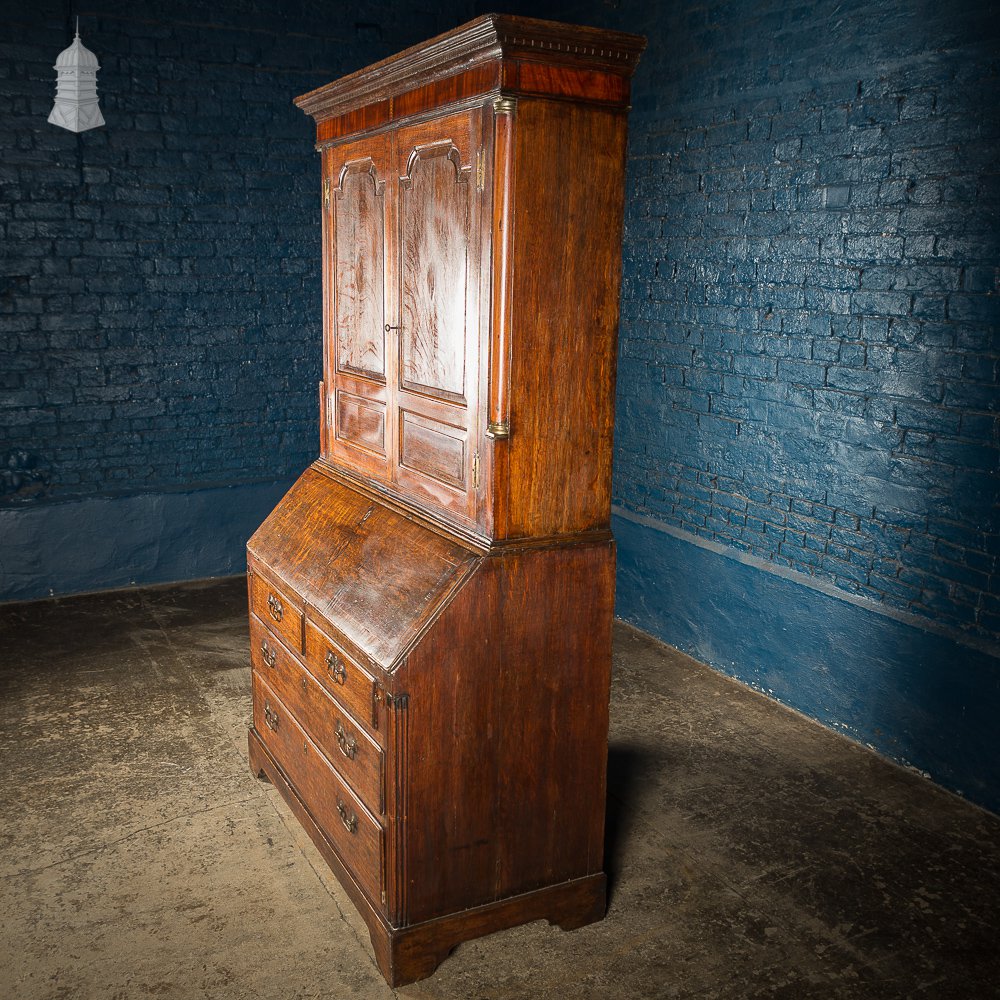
76 106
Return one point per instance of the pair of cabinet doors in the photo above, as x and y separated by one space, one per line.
404 244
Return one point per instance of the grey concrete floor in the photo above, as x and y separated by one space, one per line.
752 853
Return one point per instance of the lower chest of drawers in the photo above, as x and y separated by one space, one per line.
340 736
352 829
334 760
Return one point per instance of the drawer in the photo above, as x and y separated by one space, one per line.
341 675
354 754
268 654
353 831
281 613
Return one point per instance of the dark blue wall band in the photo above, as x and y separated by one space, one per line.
99 543
920 698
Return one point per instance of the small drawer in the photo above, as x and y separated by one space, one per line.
348 682
281 613
353 831
268 654
356 757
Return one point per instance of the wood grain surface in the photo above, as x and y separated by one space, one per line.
434 703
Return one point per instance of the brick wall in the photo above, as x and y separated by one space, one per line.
809 338
159 277
810 302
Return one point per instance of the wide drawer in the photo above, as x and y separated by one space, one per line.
353 753
279 611
354 833
344 678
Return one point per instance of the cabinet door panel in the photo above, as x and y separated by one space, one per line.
437 248
360 421
434 221
356 191
359 269
433 448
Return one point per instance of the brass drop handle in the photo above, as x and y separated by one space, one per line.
270 655
351 822
274 607
270 717
336 667
348 744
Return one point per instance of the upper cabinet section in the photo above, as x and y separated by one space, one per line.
473 190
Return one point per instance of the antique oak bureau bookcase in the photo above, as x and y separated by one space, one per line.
431 603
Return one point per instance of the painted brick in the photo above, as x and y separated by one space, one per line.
856 284
133 253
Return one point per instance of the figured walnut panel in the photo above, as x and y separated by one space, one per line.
359 269
434 250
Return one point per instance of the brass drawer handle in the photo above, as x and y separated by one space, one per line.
270 655
350 823
274 607
270 717
338 671
348 744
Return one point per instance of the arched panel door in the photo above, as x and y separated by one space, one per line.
359 427
437 300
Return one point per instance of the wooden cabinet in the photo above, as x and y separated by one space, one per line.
431 603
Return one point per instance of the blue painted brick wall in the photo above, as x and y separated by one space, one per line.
809 322
159 277
809 336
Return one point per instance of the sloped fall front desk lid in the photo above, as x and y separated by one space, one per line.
374 575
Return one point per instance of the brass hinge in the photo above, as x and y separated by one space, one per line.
326 193
481 169
475 471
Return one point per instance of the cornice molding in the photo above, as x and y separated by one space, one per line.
490 38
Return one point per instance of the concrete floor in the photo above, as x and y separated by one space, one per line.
752 853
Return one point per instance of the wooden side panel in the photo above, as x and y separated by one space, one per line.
566 272
558 609
448 860
508 719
